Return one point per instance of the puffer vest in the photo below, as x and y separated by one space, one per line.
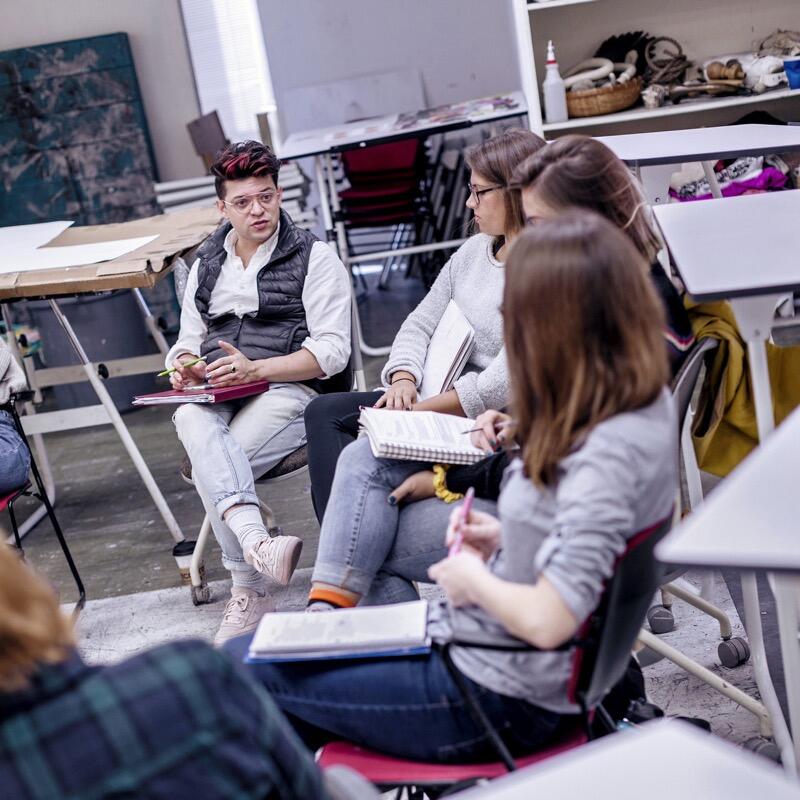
279 326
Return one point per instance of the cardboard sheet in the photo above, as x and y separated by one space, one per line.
176 233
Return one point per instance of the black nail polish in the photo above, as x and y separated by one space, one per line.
391 500
493 443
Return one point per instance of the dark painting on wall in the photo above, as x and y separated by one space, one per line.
74 142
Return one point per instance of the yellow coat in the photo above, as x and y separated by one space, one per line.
725 425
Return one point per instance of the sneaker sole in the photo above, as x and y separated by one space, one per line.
294 546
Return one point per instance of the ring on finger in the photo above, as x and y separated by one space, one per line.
233 367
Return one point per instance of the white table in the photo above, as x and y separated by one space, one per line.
662 760
654 155
322 143
743 250
750 523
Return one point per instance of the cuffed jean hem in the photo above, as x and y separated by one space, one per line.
343 576
236 564
237 499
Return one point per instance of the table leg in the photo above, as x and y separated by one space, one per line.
150 322
119 425
711 177
754 317
786 589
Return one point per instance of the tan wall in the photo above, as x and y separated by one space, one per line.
159 49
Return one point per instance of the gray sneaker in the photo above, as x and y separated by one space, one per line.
276 556
242 614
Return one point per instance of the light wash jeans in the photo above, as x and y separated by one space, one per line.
370 547
15 460
232 444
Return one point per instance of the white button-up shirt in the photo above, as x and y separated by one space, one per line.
325 298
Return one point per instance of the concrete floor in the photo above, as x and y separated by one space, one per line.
135 598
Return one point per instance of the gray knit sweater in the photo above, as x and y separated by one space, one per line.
474 279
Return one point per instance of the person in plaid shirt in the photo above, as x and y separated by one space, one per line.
178 721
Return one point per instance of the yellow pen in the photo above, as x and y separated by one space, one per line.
169 371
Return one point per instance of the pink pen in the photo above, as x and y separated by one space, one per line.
466 506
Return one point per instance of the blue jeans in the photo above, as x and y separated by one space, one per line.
370 547
15 459
407 707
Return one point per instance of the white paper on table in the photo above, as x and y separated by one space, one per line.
25 238
70 255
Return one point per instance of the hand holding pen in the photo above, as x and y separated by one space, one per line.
187 370
492 430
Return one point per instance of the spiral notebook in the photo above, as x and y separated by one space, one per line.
419 436
367 632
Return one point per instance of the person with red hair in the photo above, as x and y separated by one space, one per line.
265 300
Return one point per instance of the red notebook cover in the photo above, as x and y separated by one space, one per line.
206 394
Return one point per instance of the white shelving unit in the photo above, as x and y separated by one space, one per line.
705 29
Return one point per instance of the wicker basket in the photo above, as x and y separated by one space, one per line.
605 100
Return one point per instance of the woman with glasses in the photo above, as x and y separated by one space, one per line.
473 278
597 463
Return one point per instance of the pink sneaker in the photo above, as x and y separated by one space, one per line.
242 614
276 556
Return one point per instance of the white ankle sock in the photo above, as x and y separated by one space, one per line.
245 521
249 579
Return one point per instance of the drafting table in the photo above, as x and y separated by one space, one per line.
661 760
137 270
718 250
655 156
322 143
749 523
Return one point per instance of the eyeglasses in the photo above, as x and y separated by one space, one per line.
244 203
478 193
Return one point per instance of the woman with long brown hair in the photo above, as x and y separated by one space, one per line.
598 463
473 279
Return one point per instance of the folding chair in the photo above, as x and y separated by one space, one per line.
38 491
602 650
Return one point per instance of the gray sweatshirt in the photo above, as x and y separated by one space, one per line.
621 481
474 279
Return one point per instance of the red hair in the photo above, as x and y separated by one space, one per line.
242 160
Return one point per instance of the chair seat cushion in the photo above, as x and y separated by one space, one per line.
388 771
291 463
8 498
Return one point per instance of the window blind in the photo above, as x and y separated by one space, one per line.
231 73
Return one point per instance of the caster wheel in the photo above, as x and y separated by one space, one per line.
660 619
734 652
201 595
763 747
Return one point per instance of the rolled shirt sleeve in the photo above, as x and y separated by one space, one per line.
192 329
326 299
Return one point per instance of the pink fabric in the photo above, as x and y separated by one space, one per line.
769 179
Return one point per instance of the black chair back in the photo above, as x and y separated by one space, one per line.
612 630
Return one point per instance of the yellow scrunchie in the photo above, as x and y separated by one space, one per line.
440 486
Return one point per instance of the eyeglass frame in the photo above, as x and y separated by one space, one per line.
477 193
252 197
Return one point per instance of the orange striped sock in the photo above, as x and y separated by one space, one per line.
335 595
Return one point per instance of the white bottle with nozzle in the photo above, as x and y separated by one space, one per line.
555 95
